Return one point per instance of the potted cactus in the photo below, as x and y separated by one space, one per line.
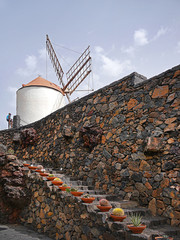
74 192
39 169
118 214
104 205
64 187
50 177
87 198
57 181
32 167
25 164
136 226
43 173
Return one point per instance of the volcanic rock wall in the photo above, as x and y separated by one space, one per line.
123 138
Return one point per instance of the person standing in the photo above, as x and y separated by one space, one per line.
9 120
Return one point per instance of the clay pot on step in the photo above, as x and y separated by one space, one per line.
117 218
50 178
88 200
43 174
163 238
104 208
32 167
26 164
138 229
77 194
63 188
57 183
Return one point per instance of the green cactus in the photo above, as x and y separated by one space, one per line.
86 196
118 212
136 219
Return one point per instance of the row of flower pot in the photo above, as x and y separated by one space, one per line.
117 214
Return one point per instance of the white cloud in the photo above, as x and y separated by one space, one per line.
109 67
31 62
178 47
30 67
99 49
140 37
113 67
160 33
129 50
42 53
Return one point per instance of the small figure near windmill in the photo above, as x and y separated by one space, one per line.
9 120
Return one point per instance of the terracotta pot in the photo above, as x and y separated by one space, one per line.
104 208
77 194
63 188
138 229
88 200
117 218
162 238
32 167
38 170
57 183
50 178
43 174
26 164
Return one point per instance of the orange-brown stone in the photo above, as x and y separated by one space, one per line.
41 214
153 144
128 189
147 174
109 135
170 140
164 183
156 193
132 103
170 120
103 139
160 204
176 73
152 206
160 91
170 127
148 185
144 166
50 214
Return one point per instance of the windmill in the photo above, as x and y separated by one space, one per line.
75 75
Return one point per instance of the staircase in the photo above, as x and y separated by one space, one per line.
155 226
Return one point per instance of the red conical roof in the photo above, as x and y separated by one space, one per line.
39 81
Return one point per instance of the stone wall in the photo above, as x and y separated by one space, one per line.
62 216
123 138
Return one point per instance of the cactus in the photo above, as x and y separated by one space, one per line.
57 179
86 196
118 212
73 190
39 167
104 202
64 185
136 219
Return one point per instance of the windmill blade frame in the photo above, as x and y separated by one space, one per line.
78 72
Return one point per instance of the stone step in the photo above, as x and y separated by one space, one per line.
168 230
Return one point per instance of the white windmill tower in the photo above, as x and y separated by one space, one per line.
40 97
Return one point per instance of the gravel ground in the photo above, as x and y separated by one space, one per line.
18 232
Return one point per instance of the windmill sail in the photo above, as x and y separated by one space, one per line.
78 72
56 63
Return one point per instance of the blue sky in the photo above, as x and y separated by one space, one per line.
124 35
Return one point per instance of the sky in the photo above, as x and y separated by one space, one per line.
125 36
